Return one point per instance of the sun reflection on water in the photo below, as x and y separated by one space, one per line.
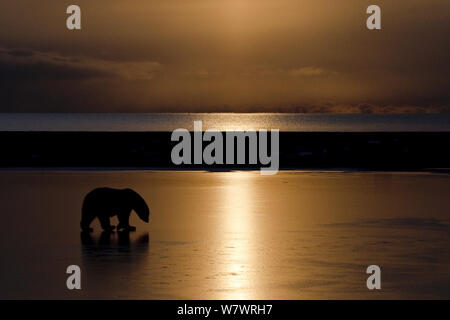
236 272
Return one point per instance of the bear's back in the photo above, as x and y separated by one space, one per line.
104 199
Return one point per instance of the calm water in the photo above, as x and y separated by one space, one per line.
224 121
230 235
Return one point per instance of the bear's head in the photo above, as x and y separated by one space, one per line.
139 205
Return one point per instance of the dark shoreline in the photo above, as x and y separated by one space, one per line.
394 151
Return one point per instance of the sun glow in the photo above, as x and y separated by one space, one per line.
237 272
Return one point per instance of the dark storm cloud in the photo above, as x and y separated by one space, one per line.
36 81
21 66
29 65
17 53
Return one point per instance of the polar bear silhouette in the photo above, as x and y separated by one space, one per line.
103 203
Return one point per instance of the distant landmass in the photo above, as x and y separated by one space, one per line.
298 150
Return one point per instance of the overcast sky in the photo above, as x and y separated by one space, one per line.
224 55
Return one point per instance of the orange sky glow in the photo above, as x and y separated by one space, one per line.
219 56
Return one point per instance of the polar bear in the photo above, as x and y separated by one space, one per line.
107 202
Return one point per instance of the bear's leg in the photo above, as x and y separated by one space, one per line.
124 224
106 225
86 221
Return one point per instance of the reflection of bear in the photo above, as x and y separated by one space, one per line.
107 202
